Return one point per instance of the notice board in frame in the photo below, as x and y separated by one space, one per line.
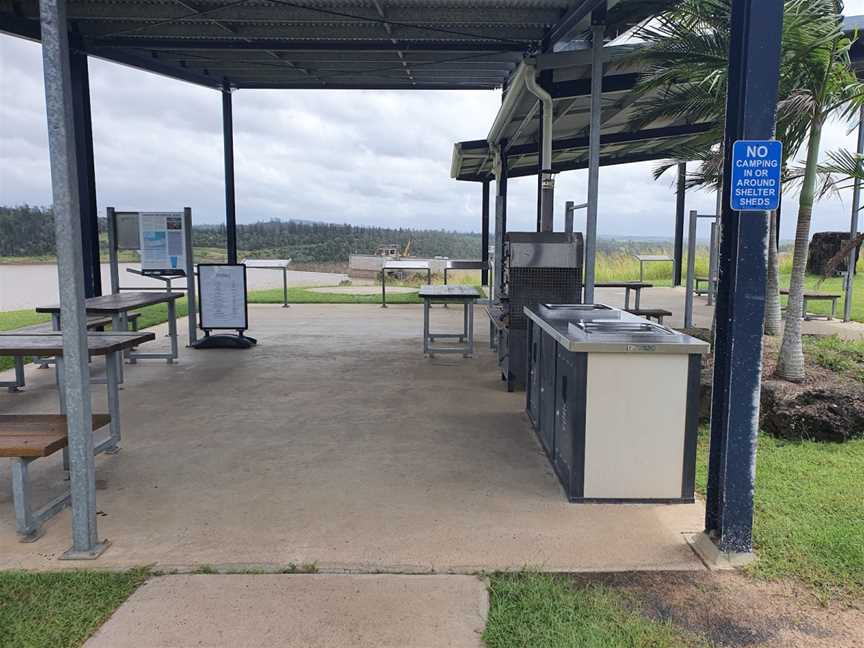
222 296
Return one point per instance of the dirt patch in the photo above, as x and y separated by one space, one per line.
730 609
827 406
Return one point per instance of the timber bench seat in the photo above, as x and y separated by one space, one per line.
25 438
651 313
818 296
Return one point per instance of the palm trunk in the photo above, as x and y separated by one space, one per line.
772 288
790 364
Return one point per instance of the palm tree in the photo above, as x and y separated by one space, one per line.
686 51
825 86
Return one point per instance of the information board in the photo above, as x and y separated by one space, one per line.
128 228
163 243
222 296
756 175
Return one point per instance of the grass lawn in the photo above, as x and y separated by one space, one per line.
529 610
60 609
809 516
306 296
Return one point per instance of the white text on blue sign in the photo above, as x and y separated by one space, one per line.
756 175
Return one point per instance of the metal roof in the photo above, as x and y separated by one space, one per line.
411 44
570 88
571 91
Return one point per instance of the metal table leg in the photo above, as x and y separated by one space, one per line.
112 445
172 330
383 288
284 288
638 295
626 297
426 304
118 324
469 307
61 395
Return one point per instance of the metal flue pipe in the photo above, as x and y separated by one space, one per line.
547 199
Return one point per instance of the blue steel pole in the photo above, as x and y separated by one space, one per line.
484 236
754 70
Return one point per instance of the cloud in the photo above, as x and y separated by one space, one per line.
362 157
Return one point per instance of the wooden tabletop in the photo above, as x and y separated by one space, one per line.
635 285
449 292
51 344
120 303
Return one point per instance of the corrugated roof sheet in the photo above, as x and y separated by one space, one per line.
412 44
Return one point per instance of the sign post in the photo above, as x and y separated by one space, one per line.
756 167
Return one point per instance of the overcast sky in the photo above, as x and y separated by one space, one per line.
361 157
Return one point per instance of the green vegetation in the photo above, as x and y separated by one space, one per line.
809 516
28 232
530 610
845 357
59 609
306 296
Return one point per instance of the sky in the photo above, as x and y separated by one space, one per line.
360 157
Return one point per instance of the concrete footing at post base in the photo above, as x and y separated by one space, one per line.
715 559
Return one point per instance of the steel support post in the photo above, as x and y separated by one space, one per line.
853 229
569 208
540 167
500 222
598 30
691 270
80 79
191 285
67 220
484 235
228 144
754 68
113 259
678 250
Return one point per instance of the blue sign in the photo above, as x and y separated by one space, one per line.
756 167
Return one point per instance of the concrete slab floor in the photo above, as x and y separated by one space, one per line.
300 611
335 442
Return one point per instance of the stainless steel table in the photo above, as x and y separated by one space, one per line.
272 264
467 296
396 266
649 258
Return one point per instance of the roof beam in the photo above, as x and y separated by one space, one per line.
318 45
665 132
564 29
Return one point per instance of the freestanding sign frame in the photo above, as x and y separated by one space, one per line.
220 295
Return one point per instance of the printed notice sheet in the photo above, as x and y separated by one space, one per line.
163 242
223 296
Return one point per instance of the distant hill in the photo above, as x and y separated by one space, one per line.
27 231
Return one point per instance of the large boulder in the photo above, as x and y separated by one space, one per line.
823 247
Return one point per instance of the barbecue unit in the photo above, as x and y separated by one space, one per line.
539 267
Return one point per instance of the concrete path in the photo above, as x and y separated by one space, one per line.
302 611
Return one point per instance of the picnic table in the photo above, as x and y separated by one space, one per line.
817 296
396 266
111 345
273 264
467 296
118 307
635 286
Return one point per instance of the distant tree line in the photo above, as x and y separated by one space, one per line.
29 231
26 231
